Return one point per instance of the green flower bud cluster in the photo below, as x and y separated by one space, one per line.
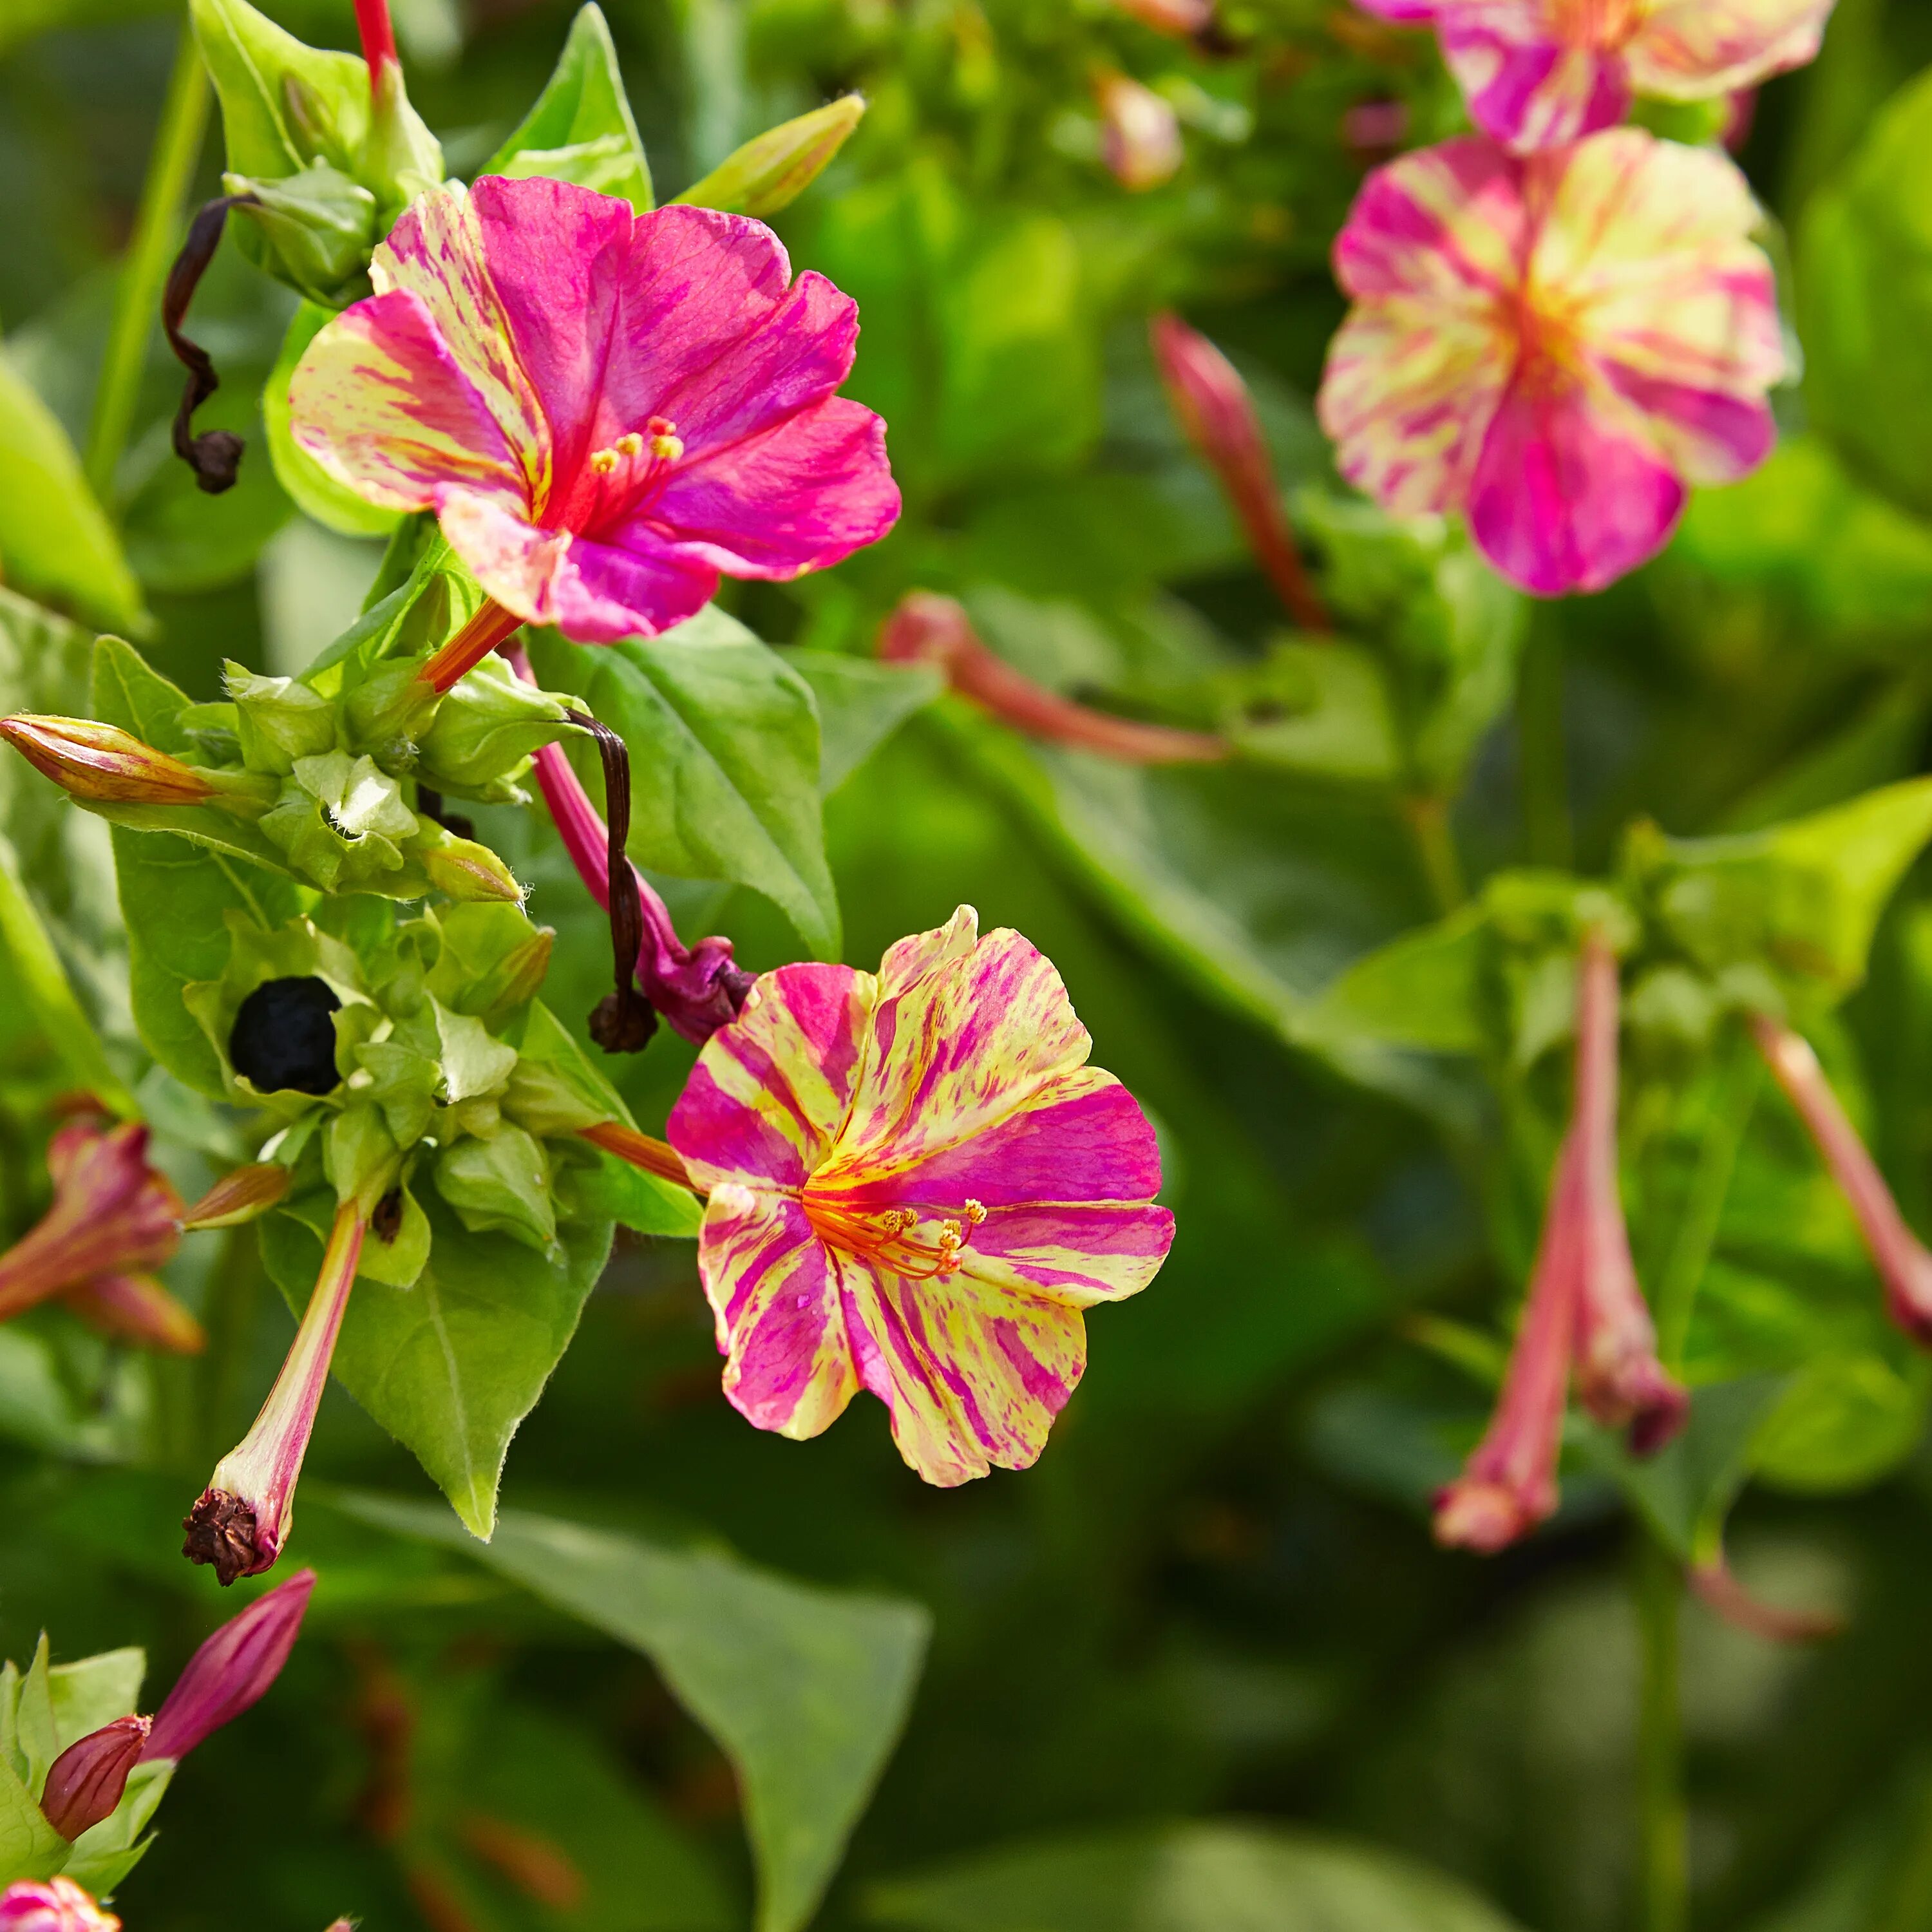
446 1071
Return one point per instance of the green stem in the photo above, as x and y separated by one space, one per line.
171 168
1427 816
1545 783
1658 1588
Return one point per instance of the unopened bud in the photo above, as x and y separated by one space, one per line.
465 870
52 1905
137 1309
279 720
104 764
317 229
1140 132
87 1778
240 1195
771 171
231 1670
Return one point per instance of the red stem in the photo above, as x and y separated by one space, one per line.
378 37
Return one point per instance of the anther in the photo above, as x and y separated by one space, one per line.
976 1212
666 445
603 461
630 444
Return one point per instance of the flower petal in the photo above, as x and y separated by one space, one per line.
1525 87
514 561
1074 1254
773 1288
1691 49
379 401
770 1091
973 1373
796 497
634 586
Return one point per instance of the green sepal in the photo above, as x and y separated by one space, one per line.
500 1186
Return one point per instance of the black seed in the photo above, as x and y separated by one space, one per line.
283 1037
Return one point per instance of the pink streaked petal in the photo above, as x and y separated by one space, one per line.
1446 226
1708 437
1532 93
1405 11
910 960
973 1373
514 561
436 251
379 401
1074 1254
1570 493
797 497
771 1288
632 584
770 1092
1693 50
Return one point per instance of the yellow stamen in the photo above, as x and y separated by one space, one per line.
603 461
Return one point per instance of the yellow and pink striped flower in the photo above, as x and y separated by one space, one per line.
1540 73
1554 345
916 1186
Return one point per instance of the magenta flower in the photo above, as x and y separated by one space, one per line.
1538 74
85 1782
606 410
1555 346
917 1184
52 1905
232 1670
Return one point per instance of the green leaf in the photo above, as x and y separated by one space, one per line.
581 129
1865 285
1842 1422
1428 990
29 1846
104 1854
55 539
1186 1878
724 760
451 1365
175 895
861 703
313 489
94 1691
805 1689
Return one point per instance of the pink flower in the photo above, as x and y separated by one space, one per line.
916 1185
1540 73
606 410
232 1670
52 1905
1554 345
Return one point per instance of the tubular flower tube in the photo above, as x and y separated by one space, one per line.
1538 74
1903 1264
653 1156
1554 347
232 1670
1508 1485
698 988
1719 1590
916 1184
927 628
1140 132
112 1212
1619 1379
85 1782
52 1905
243 1518
135 1308
379 40
607 411
1215 410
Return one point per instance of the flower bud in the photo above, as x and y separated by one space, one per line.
246 1192
1140 132
52 1905
317 229
278 720
465 870
87 1779
772 170
487 725
231 1670
135 1308
103 764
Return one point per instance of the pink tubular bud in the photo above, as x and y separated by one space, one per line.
1140 132
1216 413
231 1671
927 629
239 1195
1903 1265
1619 1379
52 1905
137 1309
87 1779
243 1518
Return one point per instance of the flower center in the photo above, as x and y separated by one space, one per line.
616 477
1604 25
886 1237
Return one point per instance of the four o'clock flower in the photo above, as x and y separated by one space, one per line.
52 1905
916 1184
606 410
1540 73
1555 346
232 1670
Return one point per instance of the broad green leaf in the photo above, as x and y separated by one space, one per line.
806 1689
1864 284
312 489
724 760
34 1719
1322 709
1842 1422
94 1691
55 541
1428 990
104 1854
450 1366
861 703
1185 1878
175 895
581 129
23 19
29 1846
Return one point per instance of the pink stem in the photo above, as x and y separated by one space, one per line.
379 38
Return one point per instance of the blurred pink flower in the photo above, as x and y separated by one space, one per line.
916 1185
1540 73
606 410
1554 345
52 1905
